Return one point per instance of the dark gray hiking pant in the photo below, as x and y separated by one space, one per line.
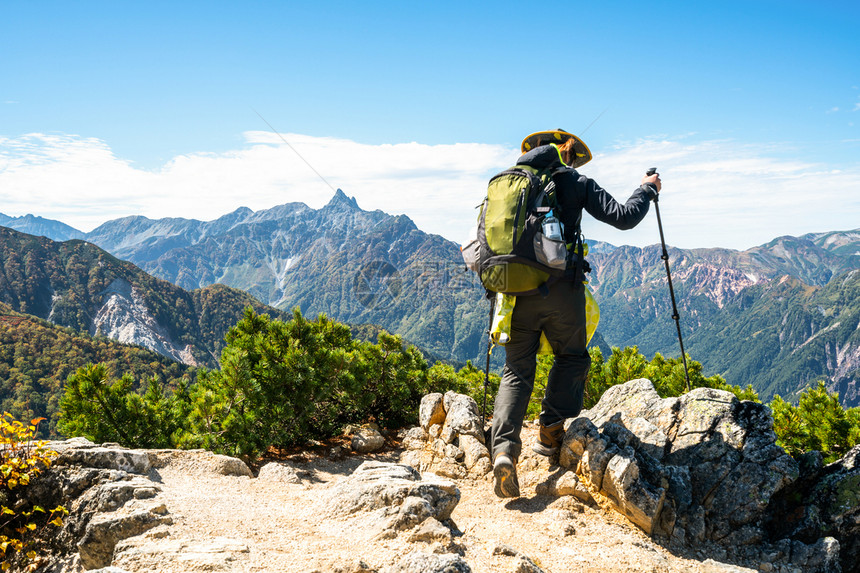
561 315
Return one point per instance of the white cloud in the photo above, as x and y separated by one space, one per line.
716 193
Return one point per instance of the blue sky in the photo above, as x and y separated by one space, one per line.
751 110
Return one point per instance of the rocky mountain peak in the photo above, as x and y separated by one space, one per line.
340 200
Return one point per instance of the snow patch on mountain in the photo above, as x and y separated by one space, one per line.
125 318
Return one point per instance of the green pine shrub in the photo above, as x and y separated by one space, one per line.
818 422
285 383
105 409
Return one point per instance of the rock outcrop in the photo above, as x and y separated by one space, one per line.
699 470
109 497
396 498
449 439
824 501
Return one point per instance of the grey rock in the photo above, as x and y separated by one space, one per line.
704 467
367 440
230 466
431 530
566 483
638 499
82 452
449 468
105 530
113 495
473 450
431 411
505 549
413 511
420 562
201 460
824 502
454 453
279 472
411 458
147 553
461 418
415 438
374 485
526 565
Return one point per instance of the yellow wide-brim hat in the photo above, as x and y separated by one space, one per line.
558 136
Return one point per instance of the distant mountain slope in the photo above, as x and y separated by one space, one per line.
706 280
783 335
41 227
356 266
78 285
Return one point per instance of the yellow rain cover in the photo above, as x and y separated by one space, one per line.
500 332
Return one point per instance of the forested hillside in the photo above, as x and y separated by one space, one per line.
36 357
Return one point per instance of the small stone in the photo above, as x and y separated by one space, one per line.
367 440
526 565
505 549
278 472
453 452
418 561
431 530
569 530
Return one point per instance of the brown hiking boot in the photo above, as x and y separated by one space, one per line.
549 439
505 476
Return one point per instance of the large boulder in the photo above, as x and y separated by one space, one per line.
396 495
105 506
703 468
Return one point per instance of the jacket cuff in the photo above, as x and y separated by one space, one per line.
651 190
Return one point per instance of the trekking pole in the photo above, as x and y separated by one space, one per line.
665 258
492 297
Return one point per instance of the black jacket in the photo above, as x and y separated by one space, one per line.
576 192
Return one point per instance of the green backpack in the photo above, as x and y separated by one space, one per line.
512 252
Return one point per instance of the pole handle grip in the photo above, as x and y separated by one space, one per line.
651 171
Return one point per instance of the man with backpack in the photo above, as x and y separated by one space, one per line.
557 310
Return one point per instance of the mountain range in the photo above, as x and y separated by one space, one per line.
80 286
776 316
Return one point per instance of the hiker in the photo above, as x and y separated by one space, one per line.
558 312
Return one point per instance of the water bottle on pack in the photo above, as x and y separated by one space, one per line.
551 227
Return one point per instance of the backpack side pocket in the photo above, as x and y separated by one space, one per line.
549 252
